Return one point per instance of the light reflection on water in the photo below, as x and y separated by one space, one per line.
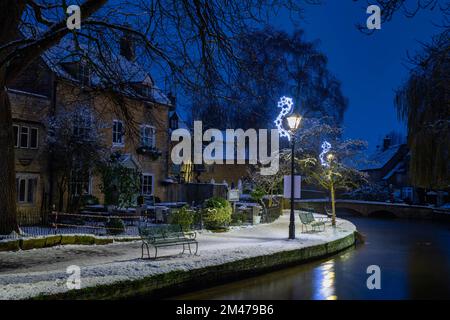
324 282
414 257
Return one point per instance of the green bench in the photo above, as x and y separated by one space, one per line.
307 219
166 236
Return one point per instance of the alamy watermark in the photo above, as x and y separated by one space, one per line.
374 20
74 280
374 280
74 20
229 147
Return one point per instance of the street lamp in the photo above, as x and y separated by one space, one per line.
330 158
293 122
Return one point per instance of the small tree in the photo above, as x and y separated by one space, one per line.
120 184
267 185
332 173
75 145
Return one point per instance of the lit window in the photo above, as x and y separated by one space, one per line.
118 136
147 184
148 136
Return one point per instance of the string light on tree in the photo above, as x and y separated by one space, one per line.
326 147
286 104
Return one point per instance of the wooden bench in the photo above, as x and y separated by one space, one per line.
166 236
307 219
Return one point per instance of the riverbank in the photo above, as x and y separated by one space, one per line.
115 271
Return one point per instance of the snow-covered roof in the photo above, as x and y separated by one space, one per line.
182 124
393 171
118 67
129 161
380 158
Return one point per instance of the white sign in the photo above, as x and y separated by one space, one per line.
297 189
233 195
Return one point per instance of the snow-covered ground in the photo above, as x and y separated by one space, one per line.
26 274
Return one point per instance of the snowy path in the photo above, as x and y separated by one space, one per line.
25 274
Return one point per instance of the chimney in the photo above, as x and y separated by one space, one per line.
172 98
127 47
386 143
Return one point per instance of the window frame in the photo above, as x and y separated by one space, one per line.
80 183
28 137
82 126
37 138
16 137
152 136
152 186
114 134
27 179
20 134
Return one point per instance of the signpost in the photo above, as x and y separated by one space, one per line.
287 187
233 196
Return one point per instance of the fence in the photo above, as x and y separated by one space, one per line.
33 224
118 223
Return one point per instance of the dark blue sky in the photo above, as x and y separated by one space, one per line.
370 67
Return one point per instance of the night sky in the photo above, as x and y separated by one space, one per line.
371 67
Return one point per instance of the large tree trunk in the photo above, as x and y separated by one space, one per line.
10 18
11 11
8 210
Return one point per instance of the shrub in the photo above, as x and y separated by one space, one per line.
182 217
115 226
239 217
217 213
88 200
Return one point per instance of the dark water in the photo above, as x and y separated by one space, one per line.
414 258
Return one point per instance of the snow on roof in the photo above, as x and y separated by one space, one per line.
129 161
182 124
118 67
380 158
393 171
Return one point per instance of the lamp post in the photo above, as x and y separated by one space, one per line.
293 122
330 158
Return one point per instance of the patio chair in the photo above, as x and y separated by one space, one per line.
307 219
329 213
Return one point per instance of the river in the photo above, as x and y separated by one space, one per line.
413 256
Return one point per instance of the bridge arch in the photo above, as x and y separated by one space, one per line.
345 210
382 214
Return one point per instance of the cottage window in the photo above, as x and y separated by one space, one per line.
33 138
26 188
82 126
26 137
174 123
16 136
80 182
148 136
147 184
24 132
118 133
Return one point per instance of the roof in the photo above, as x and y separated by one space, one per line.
380 158
182 124
118 67
129 161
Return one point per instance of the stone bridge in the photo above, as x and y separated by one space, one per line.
367 208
